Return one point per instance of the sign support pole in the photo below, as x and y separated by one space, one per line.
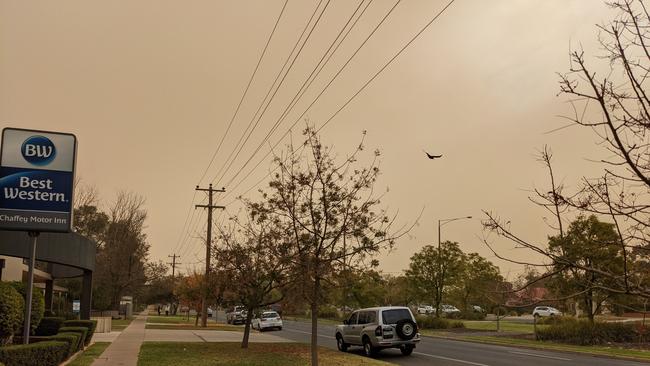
30 287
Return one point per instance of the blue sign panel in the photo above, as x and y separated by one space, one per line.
36 180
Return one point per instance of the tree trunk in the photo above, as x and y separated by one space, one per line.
589 306
247 328
314 323
438 298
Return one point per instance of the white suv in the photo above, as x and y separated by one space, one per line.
378 328
546 311
425 309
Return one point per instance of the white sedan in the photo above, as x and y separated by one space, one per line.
267 320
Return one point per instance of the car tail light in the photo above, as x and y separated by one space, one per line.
378 331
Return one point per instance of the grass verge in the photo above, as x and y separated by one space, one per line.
172 319
262 354
120 324
87 357
607 351
504 326
226 327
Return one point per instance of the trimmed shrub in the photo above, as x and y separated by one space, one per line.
431 322
584 333
328 312
11 312
71 338
473 315
456 325
38 303
91 325
556 320
50 353
49 326
82 331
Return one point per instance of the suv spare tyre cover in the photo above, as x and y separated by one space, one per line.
406 329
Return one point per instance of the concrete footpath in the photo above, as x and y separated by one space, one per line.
124 350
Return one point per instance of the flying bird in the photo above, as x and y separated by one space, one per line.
432 156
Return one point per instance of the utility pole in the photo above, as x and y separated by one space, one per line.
208 247
174 264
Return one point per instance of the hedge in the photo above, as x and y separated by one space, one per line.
49 326
71 338
430 322
82 331
11 312
473 315
557 320
38 303
584 333
50 353
91 325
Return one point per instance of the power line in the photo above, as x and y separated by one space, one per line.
179 243
318 96
365 85
180 235
270 100
266 46
187 232
308 82
190 233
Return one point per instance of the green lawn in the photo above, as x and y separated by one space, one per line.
120 324
90 354
504 326
211 326
181 322
171 319
259 354
597 350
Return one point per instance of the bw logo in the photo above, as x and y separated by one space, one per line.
38 150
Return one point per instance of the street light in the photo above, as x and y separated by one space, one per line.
446 221
440 223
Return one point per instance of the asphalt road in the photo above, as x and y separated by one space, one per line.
435 351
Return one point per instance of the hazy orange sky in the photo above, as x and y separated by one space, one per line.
149 87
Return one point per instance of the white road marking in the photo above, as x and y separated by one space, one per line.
542 356
450 359
303 332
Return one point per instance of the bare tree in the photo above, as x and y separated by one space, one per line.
328 211
615 106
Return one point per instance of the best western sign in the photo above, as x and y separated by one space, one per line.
36 180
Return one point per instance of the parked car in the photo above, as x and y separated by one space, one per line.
267 320
448 309
546 311
426 309
477 309
378 328
236 315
